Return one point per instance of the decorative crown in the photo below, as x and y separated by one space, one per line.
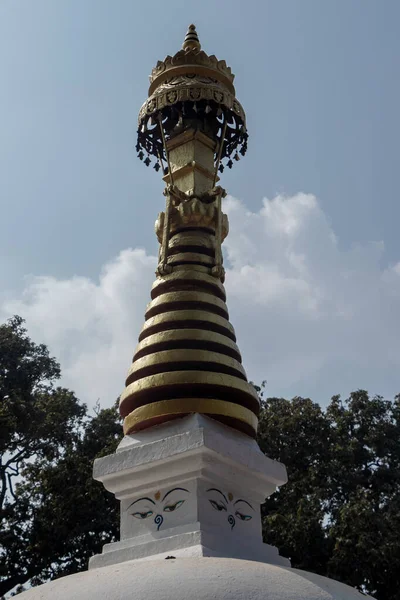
191 57
190 88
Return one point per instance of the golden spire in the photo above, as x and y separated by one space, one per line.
187 359
191 41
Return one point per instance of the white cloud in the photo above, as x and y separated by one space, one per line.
91 327
311 318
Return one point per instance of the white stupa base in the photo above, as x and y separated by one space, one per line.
184 544
190 487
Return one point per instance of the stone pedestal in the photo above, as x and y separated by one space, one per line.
190 487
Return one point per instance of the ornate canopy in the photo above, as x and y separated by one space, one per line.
187 89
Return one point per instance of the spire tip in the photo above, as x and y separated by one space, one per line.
191 41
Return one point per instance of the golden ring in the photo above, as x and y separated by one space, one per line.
182 406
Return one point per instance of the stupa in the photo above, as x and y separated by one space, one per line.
189 474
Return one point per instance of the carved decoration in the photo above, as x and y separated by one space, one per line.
233 509
158 508
189 58
192 211
164 97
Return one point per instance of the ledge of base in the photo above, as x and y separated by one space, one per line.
175 448
190 544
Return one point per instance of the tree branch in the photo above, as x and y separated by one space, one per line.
17 458
3 490
10 486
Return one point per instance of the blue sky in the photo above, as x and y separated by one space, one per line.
319 82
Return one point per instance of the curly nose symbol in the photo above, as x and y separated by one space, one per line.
231 521
158 519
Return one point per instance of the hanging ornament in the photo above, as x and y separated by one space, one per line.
236 157
140 155
221 168
157 166
229 164
147 161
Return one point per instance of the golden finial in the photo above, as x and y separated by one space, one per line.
157 495
191 41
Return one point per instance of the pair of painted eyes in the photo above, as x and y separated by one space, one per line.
168 508
220 507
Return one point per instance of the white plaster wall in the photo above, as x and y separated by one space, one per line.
194 578
196 483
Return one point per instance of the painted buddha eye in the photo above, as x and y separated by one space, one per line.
172 507
142 515
217 506
242 516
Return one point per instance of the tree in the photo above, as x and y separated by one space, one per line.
365 493
53 515
339 513
297 433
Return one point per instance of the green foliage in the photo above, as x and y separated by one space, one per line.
339 513
53 515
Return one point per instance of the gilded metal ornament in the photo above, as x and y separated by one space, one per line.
191 89
187 359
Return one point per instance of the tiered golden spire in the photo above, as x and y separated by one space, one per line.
187 359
